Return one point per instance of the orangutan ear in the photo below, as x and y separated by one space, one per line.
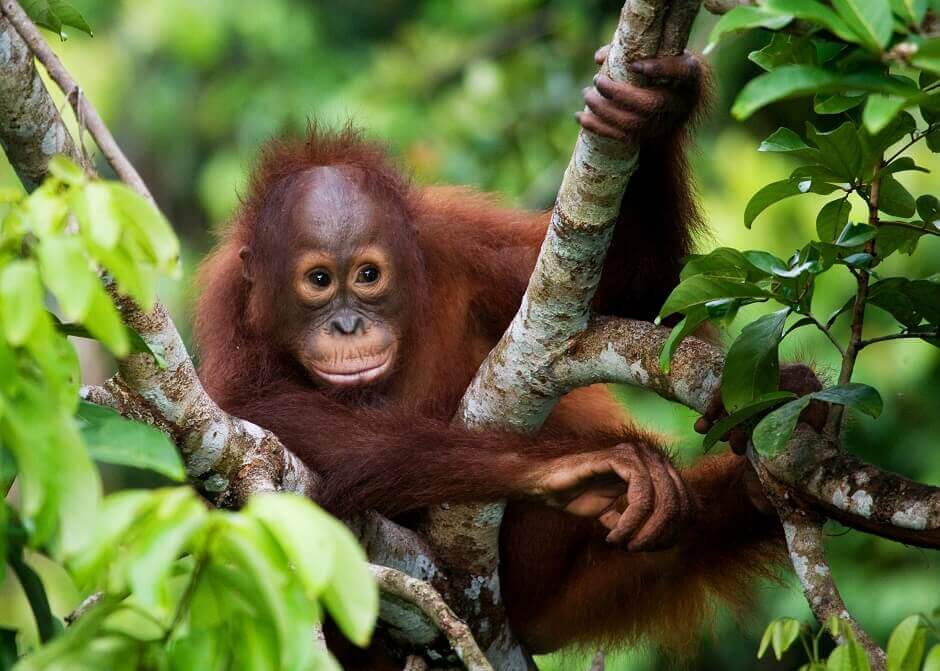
245 255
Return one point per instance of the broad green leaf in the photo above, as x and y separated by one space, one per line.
168 532
932 663
54 14
902 238
855 395
814 12
893 296
840 149
894 199
64 169
725 424
104 322
352 597
832 219
135 278
911 11
97 217
854 235
799 80
880 109
786 141
68 274
874 145
723 262
928 209
870 20
304 532
773 431
700 290
785 633
764 261
902 164
784 50
906 645
752 366
849 656
689 323
927 55
150 226
21 300
836 103
777 191
115 440
744 17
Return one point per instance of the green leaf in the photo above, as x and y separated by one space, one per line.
777 191
97 217
743 17
54 14
902 164
799 80
906 645
689 323
352 597
880 109
832 219
700 290
837 103
773 431
727 423
786 631
932 663
765 639
893 296
854 235
752 366
304 532
927 56
62 168
893 238
104 322
68 274
912 12
784 50
177 518
814 12
786 141
870 20
840 149
723 262
149 226
894 199
854 395
21 300
874 145
849 656
115 440
928 209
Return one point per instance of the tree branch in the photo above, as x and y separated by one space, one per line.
423 595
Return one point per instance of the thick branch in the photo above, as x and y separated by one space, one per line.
423 595
31 130
803 531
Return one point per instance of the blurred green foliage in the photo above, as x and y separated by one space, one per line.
483 93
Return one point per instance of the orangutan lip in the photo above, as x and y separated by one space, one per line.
353 378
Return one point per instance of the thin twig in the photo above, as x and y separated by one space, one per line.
85 606
935 333
422 594
84 110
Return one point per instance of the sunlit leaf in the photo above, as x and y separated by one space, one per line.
850 656
700 289
870 20
777 191
854 395
21 300
743 17
906 645
115 440
752 366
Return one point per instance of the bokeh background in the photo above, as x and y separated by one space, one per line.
482 92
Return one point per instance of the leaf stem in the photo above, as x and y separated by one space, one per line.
915 138
935 333
35 594
850 355
904 224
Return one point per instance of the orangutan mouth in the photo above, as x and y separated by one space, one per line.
355 371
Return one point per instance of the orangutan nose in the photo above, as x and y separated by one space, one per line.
347 322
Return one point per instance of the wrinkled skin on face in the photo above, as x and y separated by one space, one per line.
339 309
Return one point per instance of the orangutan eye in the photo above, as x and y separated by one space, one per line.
319 278
368 275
